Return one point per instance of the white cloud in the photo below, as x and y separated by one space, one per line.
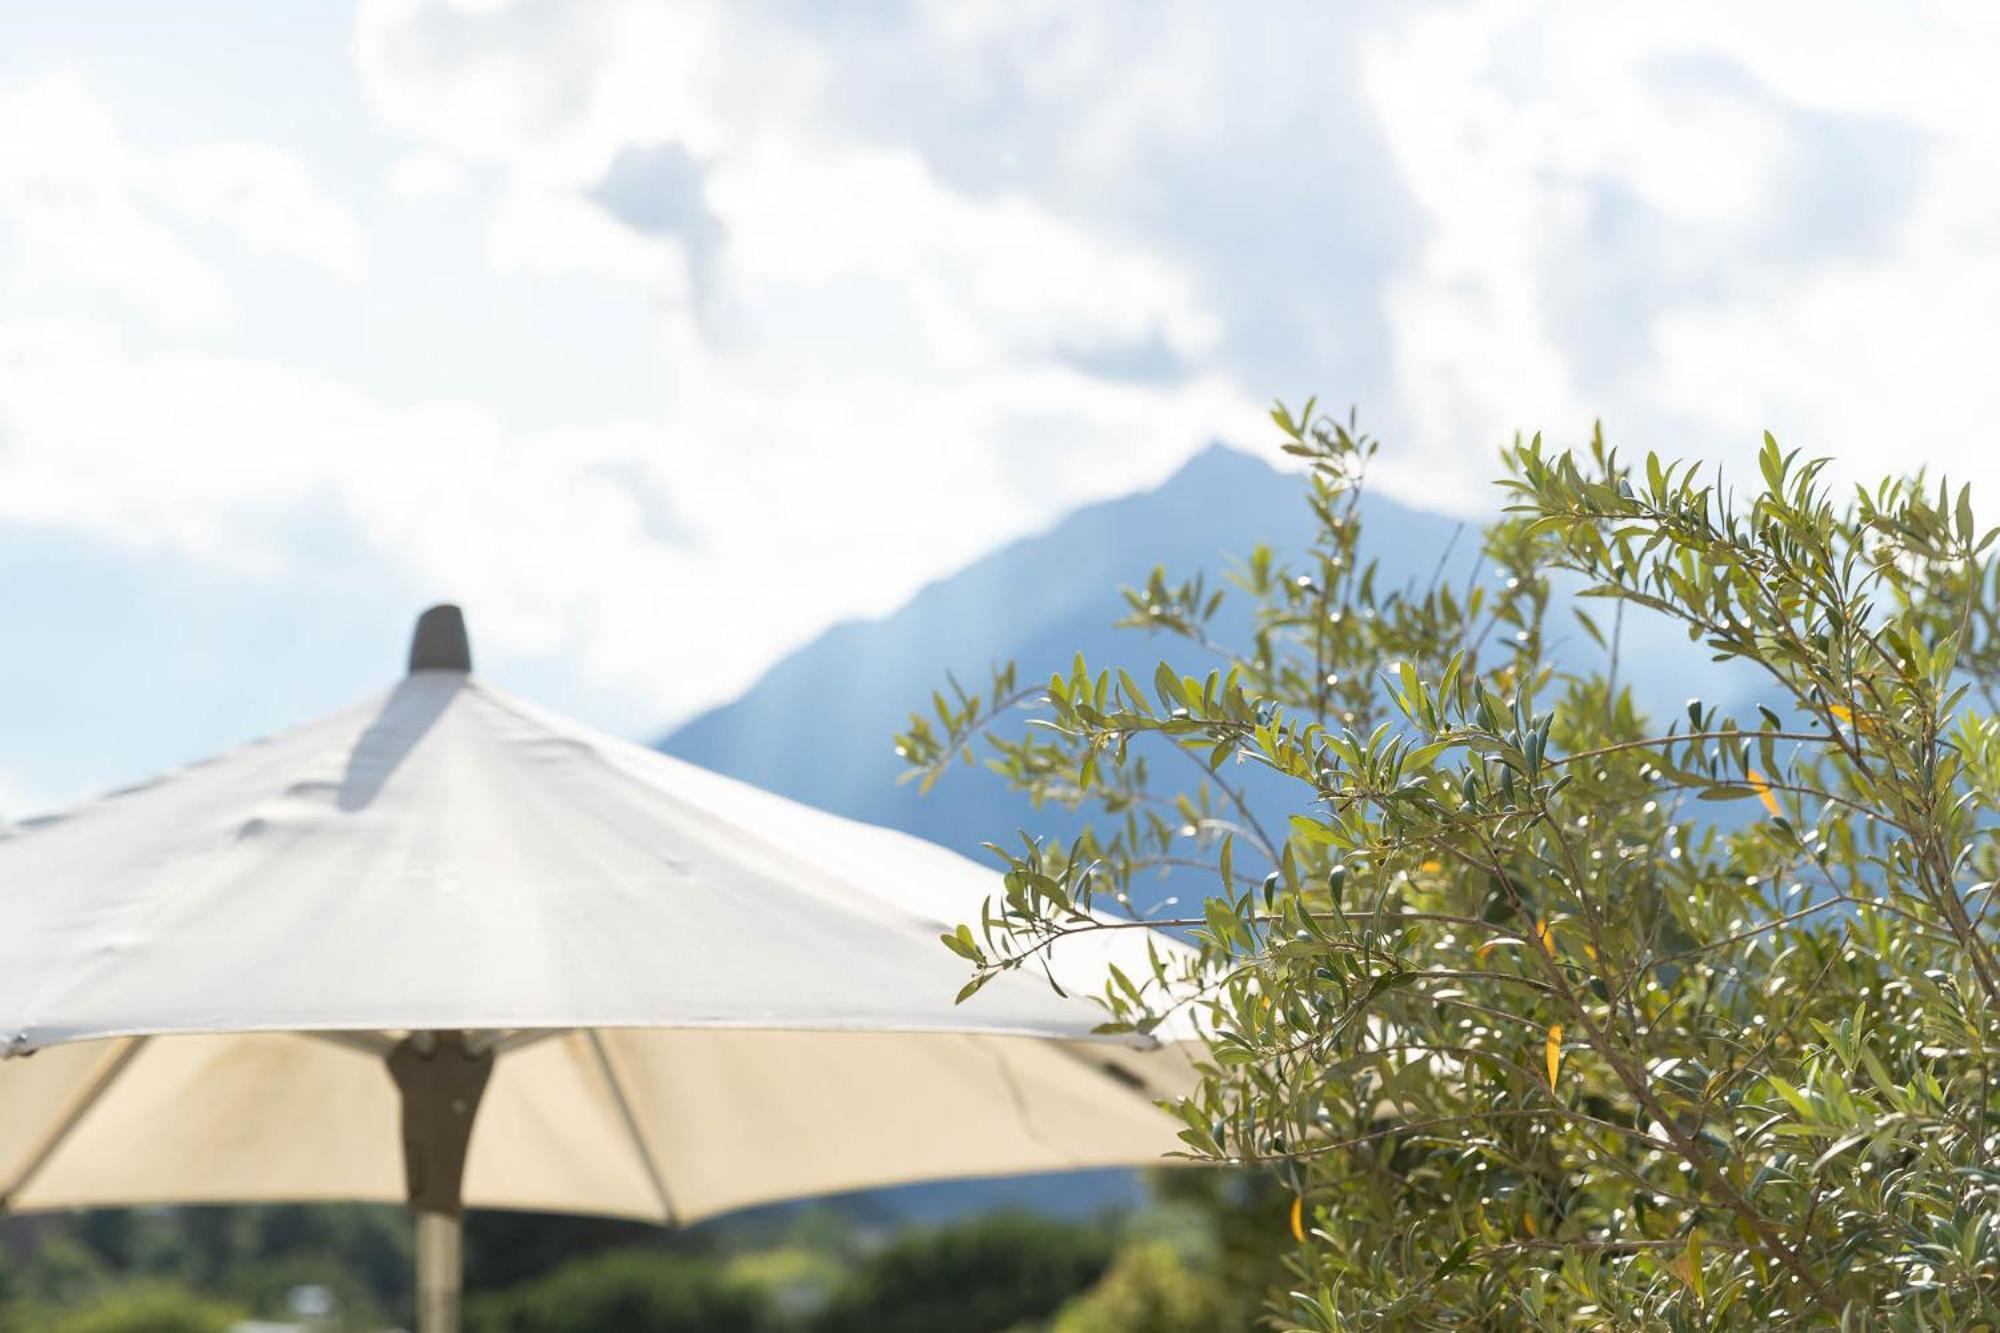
986 189
552 92
88 207
1691 224
991 280
425 175
265 197
68 198
919 281
674 559
876 375
556 233
19 799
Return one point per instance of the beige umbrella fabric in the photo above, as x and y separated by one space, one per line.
640 988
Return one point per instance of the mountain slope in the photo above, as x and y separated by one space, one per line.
817 726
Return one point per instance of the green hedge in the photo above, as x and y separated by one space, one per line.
148 1308
1149 1288
626 1291
982 1276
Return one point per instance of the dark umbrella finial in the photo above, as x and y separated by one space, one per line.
440 643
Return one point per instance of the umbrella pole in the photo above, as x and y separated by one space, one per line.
440 1272
440 1078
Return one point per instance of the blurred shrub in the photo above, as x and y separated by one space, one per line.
65 1271
625 1291
980 1276
1237 1214
506 1249
269 1286
1149 1288
794 1281
148 1308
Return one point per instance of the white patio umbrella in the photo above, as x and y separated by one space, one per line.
449 949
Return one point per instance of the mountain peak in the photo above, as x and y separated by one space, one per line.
1219 460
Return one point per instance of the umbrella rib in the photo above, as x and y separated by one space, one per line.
1023 1111
380 1043
72 1116
631 1120
368 1043
522 1038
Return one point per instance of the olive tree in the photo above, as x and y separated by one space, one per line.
1551 1013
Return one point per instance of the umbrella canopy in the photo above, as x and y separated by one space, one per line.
448 948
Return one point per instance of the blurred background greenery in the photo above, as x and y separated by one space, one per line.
1194 1256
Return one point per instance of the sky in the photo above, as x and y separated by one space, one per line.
660 336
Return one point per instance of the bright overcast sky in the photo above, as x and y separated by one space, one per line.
662 335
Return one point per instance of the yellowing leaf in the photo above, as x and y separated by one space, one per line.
1841 711
1298 1217
1546 933
1763 789
1688 1267
1528 1224
1554 1052
1431 867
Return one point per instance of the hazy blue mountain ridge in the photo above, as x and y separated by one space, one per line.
818 725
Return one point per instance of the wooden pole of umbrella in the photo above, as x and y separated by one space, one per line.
441 1078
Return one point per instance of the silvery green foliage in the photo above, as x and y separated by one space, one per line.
1554 1015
